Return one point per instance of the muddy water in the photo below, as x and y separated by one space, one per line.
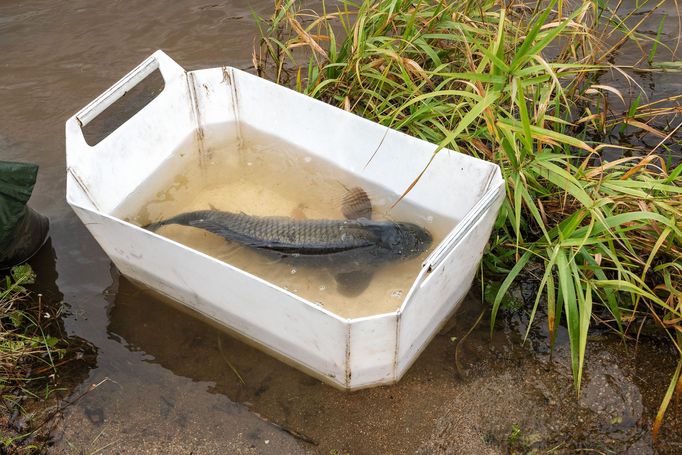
173 384
262 176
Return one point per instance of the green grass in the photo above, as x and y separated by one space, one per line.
28 356
522 86
24 344
36 363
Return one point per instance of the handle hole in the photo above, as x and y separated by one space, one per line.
124 108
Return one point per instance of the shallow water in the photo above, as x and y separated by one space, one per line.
260 175
172 382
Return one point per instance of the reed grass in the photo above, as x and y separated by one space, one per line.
528 86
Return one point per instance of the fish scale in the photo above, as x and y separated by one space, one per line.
297 232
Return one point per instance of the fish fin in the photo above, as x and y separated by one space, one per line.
212 207
351 284
356 204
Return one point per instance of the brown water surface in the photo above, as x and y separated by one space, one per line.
174 384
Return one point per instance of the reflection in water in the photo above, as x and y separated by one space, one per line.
141 407
188 346
81 355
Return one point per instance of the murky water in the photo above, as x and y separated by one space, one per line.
261 175
177 385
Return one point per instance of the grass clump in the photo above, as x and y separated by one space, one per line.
33 351
24 345
522 85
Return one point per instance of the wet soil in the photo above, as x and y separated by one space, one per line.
171 383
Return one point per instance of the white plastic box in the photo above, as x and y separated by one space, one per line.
347 353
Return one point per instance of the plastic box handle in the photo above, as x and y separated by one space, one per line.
158 60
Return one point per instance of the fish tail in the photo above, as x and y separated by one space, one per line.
183 219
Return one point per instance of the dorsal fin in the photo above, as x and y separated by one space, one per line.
356 204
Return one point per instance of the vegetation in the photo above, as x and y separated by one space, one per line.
23 339
32 349
522 85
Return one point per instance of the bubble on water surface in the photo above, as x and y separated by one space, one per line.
397 293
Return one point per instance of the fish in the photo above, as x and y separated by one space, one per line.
352 247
